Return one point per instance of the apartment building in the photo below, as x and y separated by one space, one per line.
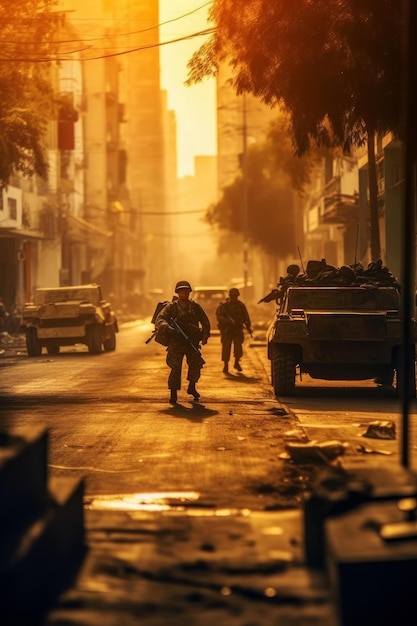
102 213
34 248
336 209
331 212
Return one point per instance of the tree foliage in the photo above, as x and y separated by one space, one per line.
334 65
297 170
28 28
273 176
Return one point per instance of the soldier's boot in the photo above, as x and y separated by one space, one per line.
226 367
237 365
173 396
193 391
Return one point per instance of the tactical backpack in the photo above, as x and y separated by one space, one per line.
162 334
158 309
222 323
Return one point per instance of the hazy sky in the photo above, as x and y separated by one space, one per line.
194 106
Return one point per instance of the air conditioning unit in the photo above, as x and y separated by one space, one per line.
11 207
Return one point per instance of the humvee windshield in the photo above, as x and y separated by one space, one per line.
66 294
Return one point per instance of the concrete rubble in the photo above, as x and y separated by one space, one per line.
170 559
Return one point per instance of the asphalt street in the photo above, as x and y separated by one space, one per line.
168 559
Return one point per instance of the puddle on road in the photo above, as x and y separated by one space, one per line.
173 501
158 501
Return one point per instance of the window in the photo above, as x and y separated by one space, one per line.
12 206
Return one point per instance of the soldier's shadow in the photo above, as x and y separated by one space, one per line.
242 378
195 412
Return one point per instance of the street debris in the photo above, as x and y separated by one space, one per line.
314 451
278 411
366 450
6 339
380 430
296 435
12 345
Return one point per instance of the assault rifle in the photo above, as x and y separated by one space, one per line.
233 321
178 328
275 294
149 339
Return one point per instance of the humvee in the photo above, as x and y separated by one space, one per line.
338 333
65 316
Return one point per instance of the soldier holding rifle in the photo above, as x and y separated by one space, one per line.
232 317
187 325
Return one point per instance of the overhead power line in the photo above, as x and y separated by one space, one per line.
103 39
139 212
56 58
138 32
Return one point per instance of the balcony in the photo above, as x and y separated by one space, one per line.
48 222
338 207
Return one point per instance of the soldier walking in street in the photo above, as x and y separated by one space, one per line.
186 325
232 317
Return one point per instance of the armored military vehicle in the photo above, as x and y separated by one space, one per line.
338 326
65 316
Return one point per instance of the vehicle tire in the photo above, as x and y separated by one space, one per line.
284 364
94 339
109 344
52 349
33 345
412 373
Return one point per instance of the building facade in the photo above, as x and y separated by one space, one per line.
103 214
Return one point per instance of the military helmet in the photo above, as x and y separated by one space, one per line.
182 284
293 270
234 291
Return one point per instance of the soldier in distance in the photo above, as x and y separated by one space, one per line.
232 317
276 294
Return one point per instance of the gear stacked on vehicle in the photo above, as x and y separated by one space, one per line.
321 274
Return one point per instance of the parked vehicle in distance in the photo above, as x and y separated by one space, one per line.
65 316
209 298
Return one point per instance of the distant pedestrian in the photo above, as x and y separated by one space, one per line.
3 317
232 317
195 326
14 321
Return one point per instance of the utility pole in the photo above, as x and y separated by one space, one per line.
245 195
409 223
